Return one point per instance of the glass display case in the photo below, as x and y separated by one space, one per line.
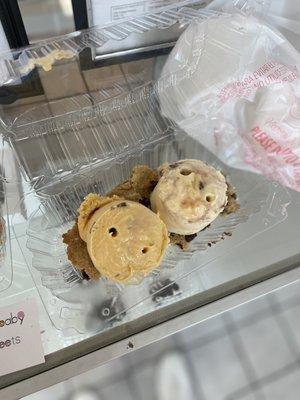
78 112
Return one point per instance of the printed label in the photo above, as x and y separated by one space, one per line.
20 339
271 146
275 159
267 74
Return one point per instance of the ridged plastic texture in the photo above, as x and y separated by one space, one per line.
84 129
91 144
56 146
259 199
13 68
65 47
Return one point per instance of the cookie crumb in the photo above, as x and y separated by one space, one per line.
189 238
145 202
138 188
78 254
123 204
232 205
179 240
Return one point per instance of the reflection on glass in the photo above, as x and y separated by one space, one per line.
46 18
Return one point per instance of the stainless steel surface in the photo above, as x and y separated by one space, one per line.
136 50
224 358
137 341
137 41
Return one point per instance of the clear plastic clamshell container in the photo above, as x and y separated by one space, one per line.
72 124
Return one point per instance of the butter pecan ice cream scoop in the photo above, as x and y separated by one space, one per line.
125 240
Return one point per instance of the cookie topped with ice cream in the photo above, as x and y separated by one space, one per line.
124 239
123 236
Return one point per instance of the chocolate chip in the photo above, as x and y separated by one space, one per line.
209 198
123 204
153 184
145 202
113 232
189 238
85 276
201 186
185 172
174 165
130 345
233 196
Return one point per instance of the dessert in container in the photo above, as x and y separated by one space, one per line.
88 143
